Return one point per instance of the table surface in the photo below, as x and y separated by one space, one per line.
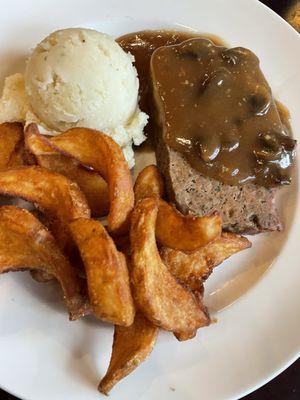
287 385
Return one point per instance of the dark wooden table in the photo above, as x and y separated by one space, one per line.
287 385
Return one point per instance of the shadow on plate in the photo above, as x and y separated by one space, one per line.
241 272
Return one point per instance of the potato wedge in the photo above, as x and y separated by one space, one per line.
183 336
157 293
123 245
11 136
173 229
198 293
149 183
55 195
106 272
98 151
192 269
18 158
185 232
25 244
131 346
92 184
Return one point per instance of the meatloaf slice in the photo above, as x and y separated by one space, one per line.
247 208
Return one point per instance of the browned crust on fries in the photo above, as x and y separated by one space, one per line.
11 137
149 183
185 232
106 272
157 293
173 229
195 267
55 195
92 184
131 346
25 244
98 151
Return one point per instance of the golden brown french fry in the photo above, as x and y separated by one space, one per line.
173 229
131 346
92 184
25 244
157 293
183 336
106 272
55 195
185 232
18 158
198 293
149 183
193 268
11 136
98 151
123 245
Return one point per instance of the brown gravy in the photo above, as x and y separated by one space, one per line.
141 45
215 106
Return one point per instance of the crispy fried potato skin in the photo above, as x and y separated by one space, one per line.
98 151
92 184
25 244
149 183
157 293
195 267
192 246
183 336
11 136
173 229
185 232
19 157
106 271
131 346
55 195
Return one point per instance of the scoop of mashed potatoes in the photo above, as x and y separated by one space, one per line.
78 78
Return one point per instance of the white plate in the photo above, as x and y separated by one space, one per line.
43 356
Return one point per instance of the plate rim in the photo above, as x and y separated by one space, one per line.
290 360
